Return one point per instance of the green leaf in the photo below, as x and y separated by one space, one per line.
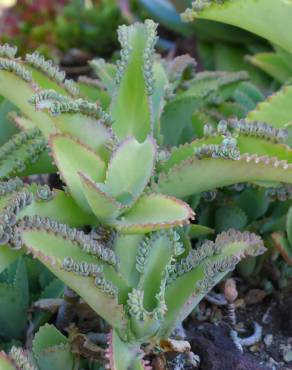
88 130
160 86
230 217
289 225
193 176
42 165
22 149
125 247
73 157
7 256
7 129
56 357
61 208
104 206
187 289
267 18
19 97
232 58
153 212
13 313
51 249
276 110
52 349
272 64
21 281
126 179
218 85
130 169
106 73
90 89
161 250
48 336
253 202
176 116
131 106
246 144
196 231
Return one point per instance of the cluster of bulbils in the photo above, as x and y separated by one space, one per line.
258 129
32 144
52 71
197 6
8 218
90 270
230 129
56 104
208 249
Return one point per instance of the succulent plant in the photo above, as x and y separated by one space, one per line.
125 177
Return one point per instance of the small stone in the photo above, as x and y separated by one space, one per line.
268 339
287 356
254 348
240 326
239 303
255 296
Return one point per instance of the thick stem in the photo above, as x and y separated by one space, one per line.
124 356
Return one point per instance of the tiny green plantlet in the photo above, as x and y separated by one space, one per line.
130 167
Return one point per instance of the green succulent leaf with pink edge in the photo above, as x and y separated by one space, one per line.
254 16
113 190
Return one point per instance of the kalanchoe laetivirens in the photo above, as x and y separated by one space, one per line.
124 170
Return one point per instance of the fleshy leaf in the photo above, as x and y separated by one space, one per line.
7 256
289 225
156 254
196 231
19 97
272 64
253 202
61 208
176 117
246 144
266 18
125 247
131 107
275 110
13 318
193 176
205 267
230 217
47 336
72 157
130 169
103 205
7 129
87 129
52 349
51 249
153 212
22 149
105 72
